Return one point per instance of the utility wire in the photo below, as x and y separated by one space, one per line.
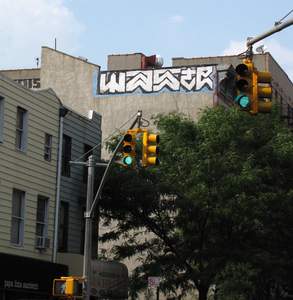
280 21
107 138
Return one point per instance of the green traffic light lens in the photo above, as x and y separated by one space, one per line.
243 101
127 160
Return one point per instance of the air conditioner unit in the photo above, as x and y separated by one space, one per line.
42 242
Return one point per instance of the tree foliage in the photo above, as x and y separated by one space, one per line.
222 195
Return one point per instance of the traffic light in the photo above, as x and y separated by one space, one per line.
59 287
262 90
128 148
150 149
67 286
244 86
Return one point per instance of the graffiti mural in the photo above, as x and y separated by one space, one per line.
180 79
30 83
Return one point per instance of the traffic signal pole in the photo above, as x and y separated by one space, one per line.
276 28
87 254
91 204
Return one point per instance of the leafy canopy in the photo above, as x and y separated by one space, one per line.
222 194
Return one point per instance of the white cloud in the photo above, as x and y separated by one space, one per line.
282 54
177 19
234 48
26 25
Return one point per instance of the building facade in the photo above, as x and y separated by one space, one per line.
81 137
281 84
29 124
42 195
131 84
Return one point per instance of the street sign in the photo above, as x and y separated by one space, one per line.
153 282
109 279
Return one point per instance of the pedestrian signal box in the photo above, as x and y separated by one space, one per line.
68 287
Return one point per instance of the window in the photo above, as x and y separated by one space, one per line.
48 147
66 155
87 150
1 118
21 129
63 227
17 217
42 217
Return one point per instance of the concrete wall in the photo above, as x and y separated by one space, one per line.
27 170
116 110
22 73
70 77
29 78
75 82
263 62
124 62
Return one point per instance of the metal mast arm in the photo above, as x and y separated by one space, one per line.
98 194
277 28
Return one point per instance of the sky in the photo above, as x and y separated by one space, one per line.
95 29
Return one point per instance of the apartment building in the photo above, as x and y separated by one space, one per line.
41 194
29 126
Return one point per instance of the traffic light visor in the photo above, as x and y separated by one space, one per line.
242 85
128 137
153 149
153 161
242 70
127 148
154 138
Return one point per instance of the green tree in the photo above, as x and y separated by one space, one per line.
209 204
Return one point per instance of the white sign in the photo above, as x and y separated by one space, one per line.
153 282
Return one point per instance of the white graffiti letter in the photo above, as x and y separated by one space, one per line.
166 77
142 79
113 84
203 77
187 79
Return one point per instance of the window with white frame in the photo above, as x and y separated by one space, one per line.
17 217
21 129
1 118
42 217
48 147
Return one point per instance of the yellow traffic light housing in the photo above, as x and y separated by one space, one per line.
68 287
244 86
253 88
150 149
262 90
128 148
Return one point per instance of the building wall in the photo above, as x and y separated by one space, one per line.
281 83
124 62
27 171
76 83
82 130
116 110
29 78
70 77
